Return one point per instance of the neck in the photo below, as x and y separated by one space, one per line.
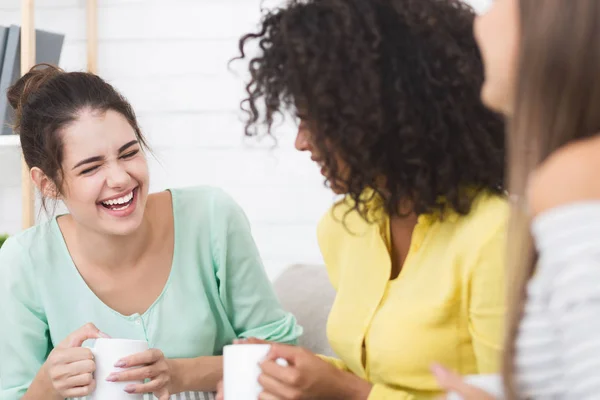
401 231
402 227
112 252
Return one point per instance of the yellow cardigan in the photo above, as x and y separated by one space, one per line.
446 306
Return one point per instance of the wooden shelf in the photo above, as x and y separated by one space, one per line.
9 141
28 61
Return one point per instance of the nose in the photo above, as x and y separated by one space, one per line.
302 142
117 177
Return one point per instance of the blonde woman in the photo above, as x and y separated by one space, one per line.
542 72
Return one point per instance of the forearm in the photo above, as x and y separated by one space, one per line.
196 374
41 388
351 387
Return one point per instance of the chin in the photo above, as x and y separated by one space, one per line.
492 99
337 188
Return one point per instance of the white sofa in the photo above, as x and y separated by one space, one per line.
305 291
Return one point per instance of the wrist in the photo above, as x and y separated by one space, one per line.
200 374
42 386
178 379
351 387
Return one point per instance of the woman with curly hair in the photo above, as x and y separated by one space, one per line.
387 93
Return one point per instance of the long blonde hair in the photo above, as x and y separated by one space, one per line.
557 101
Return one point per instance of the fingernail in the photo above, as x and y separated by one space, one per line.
120 364
236 341
112 378
103 335
129 388
439 371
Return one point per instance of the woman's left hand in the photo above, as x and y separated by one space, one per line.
451 382
151 364
306 377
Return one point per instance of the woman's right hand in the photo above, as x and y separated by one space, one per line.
70 367
450 381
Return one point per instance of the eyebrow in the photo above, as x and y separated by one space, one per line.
99 158
127 145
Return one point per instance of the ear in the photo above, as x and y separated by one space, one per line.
44 184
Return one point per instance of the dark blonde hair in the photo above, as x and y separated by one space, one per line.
557 101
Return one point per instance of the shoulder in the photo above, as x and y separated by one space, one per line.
12 250
474 245
342 234
341 224
569 175
489 214
19 253
481 234
32 241
204 201
330 222
208 212
200 195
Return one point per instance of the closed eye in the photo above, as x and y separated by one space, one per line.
88 170
130 154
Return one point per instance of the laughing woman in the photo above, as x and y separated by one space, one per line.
177 268
387 93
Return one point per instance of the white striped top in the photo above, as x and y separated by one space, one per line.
180 396
558 347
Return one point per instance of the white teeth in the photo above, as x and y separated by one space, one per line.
120 200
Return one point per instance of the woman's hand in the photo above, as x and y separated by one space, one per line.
306 377
70 367
151 364
452 382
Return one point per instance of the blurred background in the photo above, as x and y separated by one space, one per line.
169 58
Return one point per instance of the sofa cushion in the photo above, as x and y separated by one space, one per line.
305 291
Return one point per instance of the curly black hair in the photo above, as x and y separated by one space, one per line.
392 87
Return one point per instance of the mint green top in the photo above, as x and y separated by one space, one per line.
217 291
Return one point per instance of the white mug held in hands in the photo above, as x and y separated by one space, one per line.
107 352
241 370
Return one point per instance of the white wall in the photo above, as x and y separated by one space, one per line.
169 58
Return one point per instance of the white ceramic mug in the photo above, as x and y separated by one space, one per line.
241 370
489 383
106 354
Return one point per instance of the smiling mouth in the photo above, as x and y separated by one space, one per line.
121 203
320 163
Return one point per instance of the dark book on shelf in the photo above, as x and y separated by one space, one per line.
48 48
3 36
